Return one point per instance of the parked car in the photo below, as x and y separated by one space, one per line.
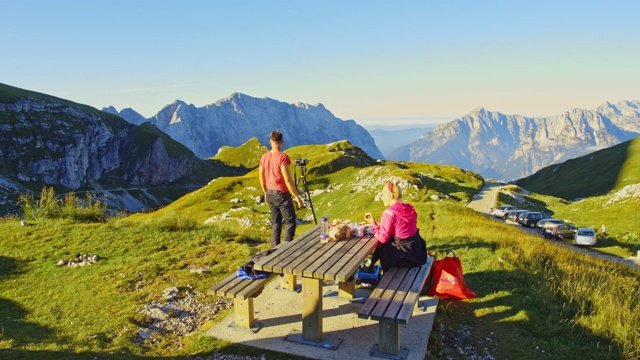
563 231
585 236
566 230
500 210
549 223
509 212
530 218
513 215
524 213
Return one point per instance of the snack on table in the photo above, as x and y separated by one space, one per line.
341 231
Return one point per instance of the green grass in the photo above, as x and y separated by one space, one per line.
532 295
245 156
93 309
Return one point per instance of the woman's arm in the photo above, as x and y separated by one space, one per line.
386 229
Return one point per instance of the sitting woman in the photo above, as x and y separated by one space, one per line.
399 241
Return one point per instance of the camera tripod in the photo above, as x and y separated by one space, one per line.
303 177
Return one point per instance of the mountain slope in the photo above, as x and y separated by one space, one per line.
47 141
237 118
590 175
513 146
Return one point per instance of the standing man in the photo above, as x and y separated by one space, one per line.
278 188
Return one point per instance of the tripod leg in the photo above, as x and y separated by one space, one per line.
306 189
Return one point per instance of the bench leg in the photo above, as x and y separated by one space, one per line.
388 337
288 282
243 312
347 289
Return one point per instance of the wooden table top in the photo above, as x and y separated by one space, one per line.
306 256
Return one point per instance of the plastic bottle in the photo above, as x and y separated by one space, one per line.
324 228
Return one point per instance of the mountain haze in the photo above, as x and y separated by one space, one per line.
234 120
509 147
389 140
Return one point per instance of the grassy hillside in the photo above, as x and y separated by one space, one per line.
595 174
535 300
245 156
342 181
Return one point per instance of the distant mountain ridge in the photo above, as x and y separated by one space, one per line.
236 119
509 147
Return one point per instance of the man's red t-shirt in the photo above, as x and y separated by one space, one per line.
270 163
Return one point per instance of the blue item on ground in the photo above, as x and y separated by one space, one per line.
364 276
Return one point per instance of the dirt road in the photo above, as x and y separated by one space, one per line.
483 201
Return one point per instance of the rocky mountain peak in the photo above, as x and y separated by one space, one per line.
237 118
509 147
480 110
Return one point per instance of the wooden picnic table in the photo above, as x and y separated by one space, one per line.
308 258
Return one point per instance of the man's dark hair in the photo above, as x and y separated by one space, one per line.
276 136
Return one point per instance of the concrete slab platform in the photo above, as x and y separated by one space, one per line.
279 312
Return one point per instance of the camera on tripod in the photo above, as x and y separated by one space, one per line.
302 164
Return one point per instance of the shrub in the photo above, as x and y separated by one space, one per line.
48 206
631 238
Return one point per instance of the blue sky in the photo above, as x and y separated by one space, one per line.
377 62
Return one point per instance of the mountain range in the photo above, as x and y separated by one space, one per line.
509 147
52 141
236 119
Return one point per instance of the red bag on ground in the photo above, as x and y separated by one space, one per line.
448 281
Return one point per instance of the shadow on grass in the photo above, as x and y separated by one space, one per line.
15 329
524 314
7 265
612 242
458 243
127 355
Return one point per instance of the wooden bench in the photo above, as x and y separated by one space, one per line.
243 292
392 303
